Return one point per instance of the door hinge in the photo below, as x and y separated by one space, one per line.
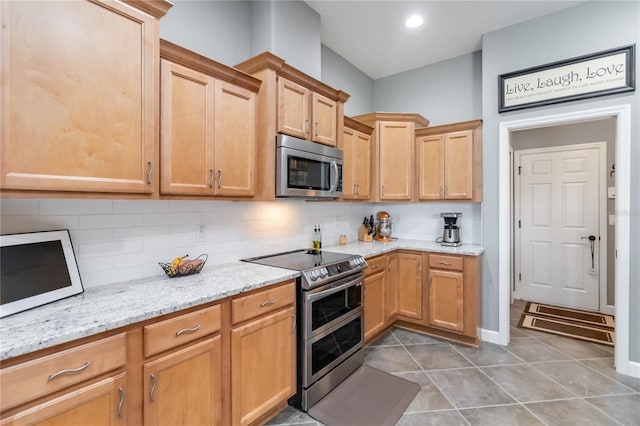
519 170
520 276
519 224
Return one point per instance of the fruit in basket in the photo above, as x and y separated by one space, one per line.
175 265
189 265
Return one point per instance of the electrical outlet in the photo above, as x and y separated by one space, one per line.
201 230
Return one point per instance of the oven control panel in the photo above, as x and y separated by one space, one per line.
322 274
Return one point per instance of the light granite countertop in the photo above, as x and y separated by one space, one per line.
116 305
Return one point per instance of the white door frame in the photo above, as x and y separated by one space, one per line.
622 113
602 213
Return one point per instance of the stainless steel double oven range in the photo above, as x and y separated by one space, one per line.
330 324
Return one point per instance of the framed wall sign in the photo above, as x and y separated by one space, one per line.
598 74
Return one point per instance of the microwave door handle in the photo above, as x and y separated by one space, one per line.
334 185
330 291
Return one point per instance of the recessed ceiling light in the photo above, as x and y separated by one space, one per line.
414 21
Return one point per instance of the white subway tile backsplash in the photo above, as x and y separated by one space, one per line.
55 206
109 221
128 241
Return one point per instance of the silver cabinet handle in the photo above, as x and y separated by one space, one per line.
306 126
317 128
444 263
268 303
188 330
150 166
69 371
382 189
219 179
293 327
153 387
441 191
213 176
121 403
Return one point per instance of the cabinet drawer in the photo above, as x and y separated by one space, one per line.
439 261
256 304
33 379
376 265
173 332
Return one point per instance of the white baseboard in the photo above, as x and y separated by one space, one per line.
609 309
633 369
490 336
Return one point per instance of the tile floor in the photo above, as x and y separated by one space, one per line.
539 379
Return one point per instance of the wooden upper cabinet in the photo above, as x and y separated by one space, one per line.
208 126
356 163
79 105
392 154
293 109
324 116
449 162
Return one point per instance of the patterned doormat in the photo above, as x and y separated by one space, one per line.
584 325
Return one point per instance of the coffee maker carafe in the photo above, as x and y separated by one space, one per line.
451 235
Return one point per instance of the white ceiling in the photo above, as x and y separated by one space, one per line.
371 34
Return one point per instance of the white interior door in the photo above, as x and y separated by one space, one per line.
558 210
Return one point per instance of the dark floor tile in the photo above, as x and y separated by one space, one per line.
531 350
407 337
623 408
437 356
517 333
469 388
569 412
392 359
385 339
505 415
429 398
526 384
488 354
292 416
605 366
579 379
439 418
577 349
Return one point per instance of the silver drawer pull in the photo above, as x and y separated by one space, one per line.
74 370
150 166
188 330
121 403
153 388
268 303
444 263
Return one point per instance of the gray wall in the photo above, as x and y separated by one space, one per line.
216 29
571 134
587 28
339 73
446 92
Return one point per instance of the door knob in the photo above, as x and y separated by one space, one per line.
590 238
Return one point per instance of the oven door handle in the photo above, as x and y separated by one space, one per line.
314 296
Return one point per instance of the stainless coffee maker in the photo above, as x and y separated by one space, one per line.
451 235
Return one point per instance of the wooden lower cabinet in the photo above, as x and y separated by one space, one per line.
374 305
391 288
184 387
410 304
99 403
446 297
263 370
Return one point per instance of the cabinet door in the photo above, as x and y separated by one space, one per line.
187 130
356 165
396 148
184 387
410 286
391 288
78 106
293 109
102 403
446 300
263 365
374 312
458 163
349 165
431 167
235 140
324 116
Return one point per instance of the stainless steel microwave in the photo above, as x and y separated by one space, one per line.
307 169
